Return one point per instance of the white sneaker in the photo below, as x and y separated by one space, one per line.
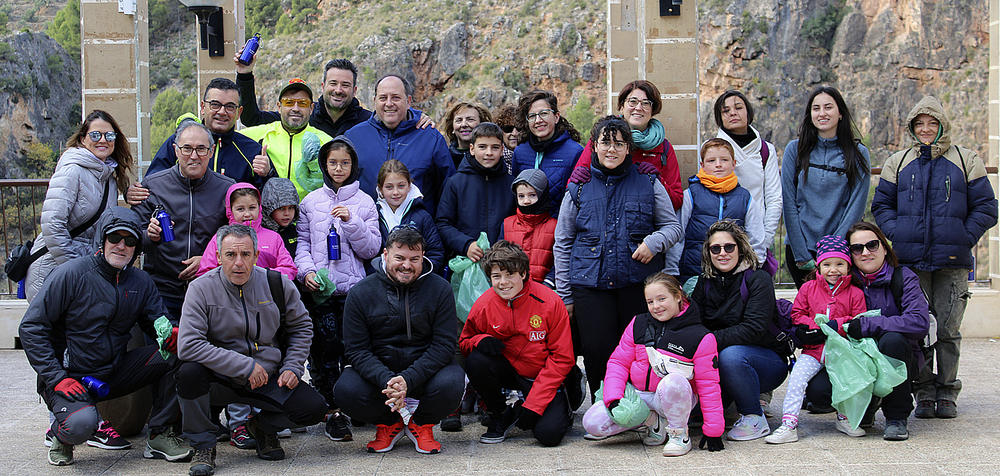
785 433
286 433
846 428
656 431
592 437
679 443
749 427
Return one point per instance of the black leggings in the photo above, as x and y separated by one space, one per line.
601 317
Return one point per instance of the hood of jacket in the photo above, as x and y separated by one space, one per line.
116 217
379 264
413 197
255 224
931 106
355 166
86 159
472 166
278 192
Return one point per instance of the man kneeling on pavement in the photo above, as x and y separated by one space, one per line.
244 338
77 329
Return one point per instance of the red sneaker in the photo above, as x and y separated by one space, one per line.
386 437
423 438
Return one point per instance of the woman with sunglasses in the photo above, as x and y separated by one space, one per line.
824 180
898 327
737 304
97 158
548 141
638 102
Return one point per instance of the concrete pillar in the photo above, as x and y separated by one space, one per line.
115 66
233 32
663 50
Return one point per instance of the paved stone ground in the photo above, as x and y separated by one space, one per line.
965 445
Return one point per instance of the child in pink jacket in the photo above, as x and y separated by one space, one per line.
669 357
832 294
243 207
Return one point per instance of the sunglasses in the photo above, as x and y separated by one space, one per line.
507 129
858 248
115 238
405 226
290 102
716 249
95 136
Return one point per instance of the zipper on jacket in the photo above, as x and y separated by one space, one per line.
913 180
291 149
406 311
947 188
649 374
246 318
190 226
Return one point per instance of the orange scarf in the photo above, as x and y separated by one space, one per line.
718 185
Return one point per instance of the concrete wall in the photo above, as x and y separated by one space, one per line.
233 32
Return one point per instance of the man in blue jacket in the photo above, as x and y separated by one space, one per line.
934 202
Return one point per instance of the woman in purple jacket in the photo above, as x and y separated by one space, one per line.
903 323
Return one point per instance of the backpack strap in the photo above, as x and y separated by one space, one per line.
896 288
277 292
764 153
962 158
899 166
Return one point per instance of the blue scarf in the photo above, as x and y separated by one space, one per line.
650 138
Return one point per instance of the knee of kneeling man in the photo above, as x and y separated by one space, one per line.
80 426
548 439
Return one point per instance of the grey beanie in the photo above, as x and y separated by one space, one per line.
533 177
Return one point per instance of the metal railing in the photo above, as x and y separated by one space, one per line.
20 211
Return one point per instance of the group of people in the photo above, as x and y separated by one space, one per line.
323 233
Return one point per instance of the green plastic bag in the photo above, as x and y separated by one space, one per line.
467 280
631 411
163 328
307 172
890 372
852 374
326 287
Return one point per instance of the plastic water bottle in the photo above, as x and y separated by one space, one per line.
167 233
250 49
333 244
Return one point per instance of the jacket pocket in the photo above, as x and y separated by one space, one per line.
638 220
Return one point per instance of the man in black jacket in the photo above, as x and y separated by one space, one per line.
400 337
78 328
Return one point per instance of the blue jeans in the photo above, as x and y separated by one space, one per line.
746 371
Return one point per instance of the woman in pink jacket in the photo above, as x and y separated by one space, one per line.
669 357
340 206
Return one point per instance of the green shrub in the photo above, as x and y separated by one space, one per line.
65 28
582 116
820 28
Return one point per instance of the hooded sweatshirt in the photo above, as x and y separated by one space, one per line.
280 192
412 211
273 254
359 235
934 201
474 200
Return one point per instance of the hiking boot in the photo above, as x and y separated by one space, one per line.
202 463
241 439
925 409
846 428
576 387
678 443
656 431
499 426
423 438
749 427
106 438
386 437
268 447
895 430
946 409
168 446
60 454
452 422
49 436
338 427
786 433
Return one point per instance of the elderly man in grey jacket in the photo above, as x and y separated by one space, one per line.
244 337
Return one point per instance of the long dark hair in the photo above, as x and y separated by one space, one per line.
122 155
809 137
521 119
721 102
605 128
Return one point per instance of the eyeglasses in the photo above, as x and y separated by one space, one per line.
543 115
115 238
635 102
858 248
109 136
216 105
201 150
507 129
716 249
289 102
606 145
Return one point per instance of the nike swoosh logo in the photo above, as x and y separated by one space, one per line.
496 327
101 438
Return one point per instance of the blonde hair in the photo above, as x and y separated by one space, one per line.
717 142
673 286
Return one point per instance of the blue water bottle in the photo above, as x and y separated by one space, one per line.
250 49
333 244
167 233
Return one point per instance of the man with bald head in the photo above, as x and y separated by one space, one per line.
392 133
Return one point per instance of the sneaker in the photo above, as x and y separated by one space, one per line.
60 454
656 431
895 430
576 387
946 409
452 422
168 446
338 428
106 438
241 439
423 438
678 444
202 463
925 409
222 434
300 429
286 433
386 437
868 420
749 427
49 436
846 428
268 447
499 426
786 433
591 437
469 400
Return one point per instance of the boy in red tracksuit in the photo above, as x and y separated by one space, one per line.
517 337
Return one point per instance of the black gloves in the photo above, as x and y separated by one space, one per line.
808 336
833 325
613 403
528 419
491 346
714 443
854 328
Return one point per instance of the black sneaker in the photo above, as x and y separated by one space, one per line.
268 446
242 439
338 427
452 422
576 387
499 426
106 438
895 430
